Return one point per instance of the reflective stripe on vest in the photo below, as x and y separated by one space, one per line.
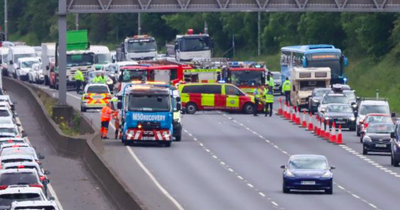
286 86
269 98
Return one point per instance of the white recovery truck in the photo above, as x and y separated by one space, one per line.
138 47
191 47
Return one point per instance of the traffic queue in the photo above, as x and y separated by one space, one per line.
23 181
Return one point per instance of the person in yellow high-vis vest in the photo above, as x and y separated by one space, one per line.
79 79
258 93
269 101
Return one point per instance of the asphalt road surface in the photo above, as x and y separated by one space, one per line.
72 183
231 161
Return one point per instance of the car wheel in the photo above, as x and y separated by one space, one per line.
178 138
168 144
365 152
330 191
248 108
191 108
83 109
284 188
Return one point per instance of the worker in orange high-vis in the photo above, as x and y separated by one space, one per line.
106 113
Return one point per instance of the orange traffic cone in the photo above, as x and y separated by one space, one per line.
280 111
339 139
322 128
316 127
310 123
327 133
294 114
333 133
297 116
287 111
304 122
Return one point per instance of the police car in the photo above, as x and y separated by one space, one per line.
95 96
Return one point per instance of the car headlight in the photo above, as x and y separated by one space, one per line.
398 144
352 118
354 105
327 174
367 138
315 100
327 118
323 109
289 174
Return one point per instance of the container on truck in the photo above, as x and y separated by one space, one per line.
48 59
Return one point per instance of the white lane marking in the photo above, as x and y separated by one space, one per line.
274 203
225 166
287 154
163 190
50 188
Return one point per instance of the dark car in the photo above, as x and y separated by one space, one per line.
315 98
341 114
377 138
307 172
395 146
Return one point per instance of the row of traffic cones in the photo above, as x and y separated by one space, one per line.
321 128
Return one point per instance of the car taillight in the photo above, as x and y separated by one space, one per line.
36 185
42 178
21 166
108 97
3 187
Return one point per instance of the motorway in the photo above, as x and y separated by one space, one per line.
72 185
231 161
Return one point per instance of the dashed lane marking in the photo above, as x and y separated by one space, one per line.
227 167
287 154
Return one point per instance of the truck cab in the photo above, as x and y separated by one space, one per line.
305 80
147 114
102 56
138 47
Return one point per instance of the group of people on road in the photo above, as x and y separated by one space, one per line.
265 94
80 80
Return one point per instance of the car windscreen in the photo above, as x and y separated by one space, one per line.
19 166
80 59
18 178
8 130
247 78
134 75
4 113
97 89
13 160
6 120
378 128
308 163
276 76
380 109
149 102
321 92
340 109
18 56
17 151
138 46
350 95
379 119
102 58
28 64
7 199
335 100
194 44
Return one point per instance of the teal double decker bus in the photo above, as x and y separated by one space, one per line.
314 56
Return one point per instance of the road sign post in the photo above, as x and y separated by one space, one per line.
62 52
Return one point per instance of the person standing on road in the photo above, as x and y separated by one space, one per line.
257 97
79 79
103 79
286 87
270 80
106 113
269 101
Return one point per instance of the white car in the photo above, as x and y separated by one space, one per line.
368 106
45 205
17 158
12 140
21 151
11 130
17 193
24 65
36 74
7 98
331 98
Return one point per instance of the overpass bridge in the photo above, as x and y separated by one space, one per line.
165 6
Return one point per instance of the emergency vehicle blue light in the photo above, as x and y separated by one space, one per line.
345 80
221 81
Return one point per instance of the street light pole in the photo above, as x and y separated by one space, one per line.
139 26
6 19
76 21
259 33
62 51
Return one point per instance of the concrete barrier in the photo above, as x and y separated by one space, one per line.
87 147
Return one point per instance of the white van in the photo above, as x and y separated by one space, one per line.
4 61
18 52
102 56
48 56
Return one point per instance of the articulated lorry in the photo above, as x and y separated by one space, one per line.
138 47
147 113
79 56
191 47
